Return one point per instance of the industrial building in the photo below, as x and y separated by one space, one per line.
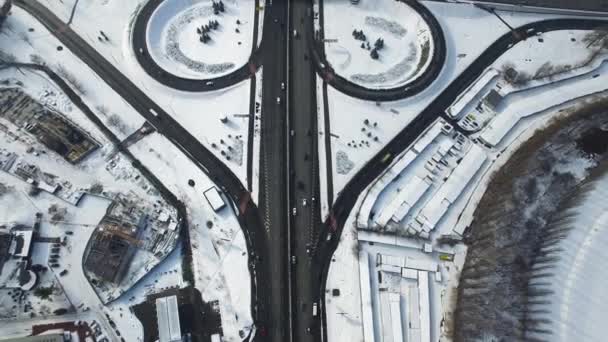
414 195
167 315
397 293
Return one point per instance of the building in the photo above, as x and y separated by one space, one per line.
167 316
214 198
493 99
38 338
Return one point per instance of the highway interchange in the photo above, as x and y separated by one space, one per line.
290 247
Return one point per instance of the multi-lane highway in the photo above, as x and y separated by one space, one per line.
304 176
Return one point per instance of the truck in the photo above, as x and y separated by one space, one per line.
315 310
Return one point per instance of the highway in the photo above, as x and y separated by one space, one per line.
304 180
273 173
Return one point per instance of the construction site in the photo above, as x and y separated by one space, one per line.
48 126
131 237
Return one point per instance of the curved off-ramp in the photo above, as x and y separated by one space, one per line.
139 41
415 86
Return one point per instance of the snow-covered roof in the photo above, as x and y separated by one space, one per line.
395 303
22 247
214 198
421 264
429 136
469 94
168 319
376 190
498 128
366 292
425 306
438 205
413 315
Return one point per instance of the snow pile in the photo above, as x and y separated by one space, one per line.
386 25
173 49
343 164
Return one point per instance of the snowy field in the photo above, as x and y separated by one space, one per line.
576 301
200 114
407 42
175 45
219 252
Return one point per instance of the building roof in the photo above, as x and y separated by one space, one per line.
37 338
23 242
214 198
492 99
167 315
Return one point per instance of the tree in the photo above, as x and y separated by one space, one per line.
374 54
379 44
363 45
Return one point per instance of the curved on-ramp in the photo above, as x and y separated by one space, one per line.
411 88
142 53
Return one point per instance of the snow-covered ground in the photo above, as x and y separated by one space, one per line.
218 244
175 45
200 114
407 48
576 301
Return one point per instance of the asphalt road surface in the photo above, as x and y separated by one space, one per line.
304 180
273 173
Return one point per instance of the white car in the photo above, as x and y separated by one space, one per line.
304 202
293 259
278 100
294 211
282 85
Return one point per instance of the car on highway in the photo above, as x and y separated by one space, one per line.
304 202
278 100
294 211
315 309
209 83
293 260
282 85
